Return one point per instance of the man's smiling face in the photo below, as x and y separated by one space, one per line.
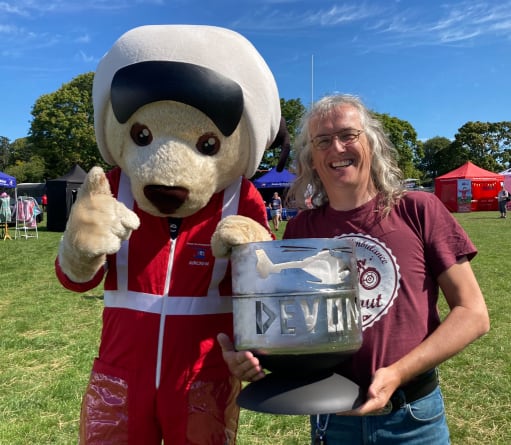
344 164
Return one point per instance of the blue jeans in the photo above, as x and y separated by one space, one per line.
421 422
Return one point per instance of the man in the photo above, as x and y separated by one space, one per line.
503 197
415 246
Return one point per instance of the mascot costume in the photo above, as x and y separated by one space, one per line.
184 113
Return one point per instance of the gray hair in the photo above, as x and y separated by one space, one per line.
385 173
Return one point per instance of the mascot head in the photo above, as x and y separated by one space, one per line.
183 110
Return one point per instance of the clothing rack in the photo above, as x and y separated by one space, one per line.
26 211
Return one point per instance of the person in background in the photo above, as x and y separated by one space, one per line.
276 210
503 198
44 201
416 248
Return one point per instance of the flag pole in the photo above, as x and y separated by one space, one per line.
312 79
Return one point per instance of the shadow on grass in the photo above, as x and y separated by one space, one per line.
92 297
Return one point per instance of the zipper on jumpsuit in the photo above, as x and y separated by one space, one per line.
163 314
229 207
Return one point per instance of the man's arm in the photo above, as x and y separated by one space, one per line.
467 320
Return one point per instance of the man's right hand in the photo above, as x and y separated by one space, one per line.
242 364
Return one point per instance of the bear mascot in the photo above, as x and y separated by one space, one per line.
183 114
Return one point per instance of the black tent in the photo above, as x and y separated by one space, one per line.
61 193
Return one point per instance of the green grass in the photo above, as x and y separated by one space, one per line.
477 382
49 337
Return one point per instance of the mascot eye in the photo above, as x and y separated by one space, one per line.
141 135
208 144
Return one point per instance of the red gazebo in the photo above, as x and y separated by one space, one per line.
485 186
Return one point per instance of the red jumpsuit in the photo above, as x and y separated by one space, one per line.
160 373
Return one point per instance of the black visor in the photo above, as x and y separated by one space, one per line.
218 97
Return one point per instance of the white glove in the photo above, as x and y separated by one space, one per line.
96 226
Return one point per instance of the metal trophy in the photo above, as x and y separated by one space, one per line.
296 306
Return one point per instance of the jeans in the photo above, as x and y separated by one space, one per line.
421 422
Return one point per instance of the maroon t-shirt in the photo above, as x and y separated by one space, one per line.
399 259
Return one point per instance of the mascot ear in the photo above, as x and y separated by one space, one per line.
283 141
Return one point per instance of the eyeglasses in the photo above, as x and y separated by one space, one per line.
345 137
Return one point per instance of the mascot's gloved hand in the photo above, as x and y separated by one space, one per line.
96 226
235 230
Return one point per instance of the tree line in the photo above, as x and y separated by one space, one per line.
61 134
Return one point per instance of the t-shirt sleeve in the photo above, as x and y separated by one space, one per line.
295 227
445 241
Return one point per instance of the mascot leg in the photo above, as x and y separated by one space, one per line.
104 415
213 415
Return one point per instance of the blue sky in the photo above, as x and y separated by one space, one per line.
436 64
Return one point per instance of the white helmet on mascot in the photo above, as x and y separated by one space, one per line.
167 54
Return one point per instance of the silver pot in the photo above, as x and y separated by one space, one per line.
296 303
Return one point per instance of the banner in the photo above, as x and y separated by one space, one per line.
464 195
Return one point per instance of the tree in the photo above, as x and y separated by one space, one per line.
20 162
20 150
486 144
404 137
292 110
4 152
28 171
62 131
432 164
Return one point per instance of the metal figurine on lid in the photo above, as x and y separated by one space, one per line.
296 307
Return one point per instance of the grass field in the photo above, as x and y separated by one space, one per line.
49 337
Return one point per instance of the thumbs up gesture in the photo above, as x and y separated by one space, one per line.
97 225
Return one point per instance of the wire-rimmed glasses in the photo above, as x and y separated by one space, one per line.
346 137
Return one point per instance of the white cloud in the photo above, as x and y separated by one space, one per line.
274 16
394 24
464 21
10 8
85 38
337 15
41 7
9 29
82 57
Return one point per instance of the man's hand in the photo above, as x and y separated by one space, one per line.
385 382
242 364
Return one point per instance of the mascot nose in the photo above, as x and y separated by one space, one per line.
166 199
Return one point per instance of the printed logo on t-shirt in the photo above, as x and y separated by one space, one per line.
378 277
